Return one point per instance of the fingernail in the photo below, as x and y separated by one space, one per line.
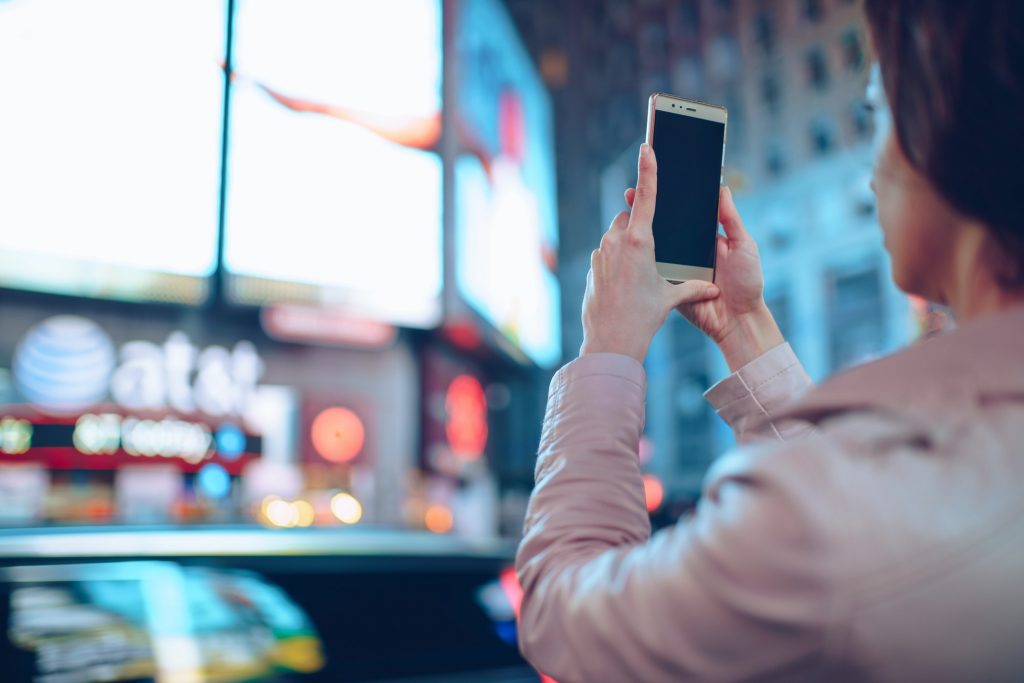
728 190
645 149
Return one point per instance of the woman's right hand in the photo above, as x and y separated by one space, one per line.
738 320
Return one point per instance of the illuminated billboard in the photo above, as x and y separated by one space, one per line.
334 173
506 218
110 137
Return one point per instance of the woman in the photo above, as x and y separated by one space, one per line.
871 529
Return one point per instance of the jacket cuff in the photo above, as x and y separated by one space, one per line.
760 388
608 364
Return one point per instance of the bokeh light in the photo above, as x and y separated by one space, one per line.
213 481
304 513
346 508
466 427
338 434
230 441
438 519
654 492
280 513
646 450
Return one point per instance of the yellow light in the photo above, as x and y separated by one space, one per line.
438 519
346 508
304 513
281 513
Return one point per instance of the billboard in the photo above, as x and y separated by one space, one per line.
111 137
334 183
506 217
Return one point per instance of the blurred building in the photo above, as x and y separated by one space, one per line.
280 293
799 152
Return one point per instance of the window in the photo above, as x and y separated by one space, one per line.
817 68
654 43
813 11
688 19
723 58
861 120
770 92
856 317
823 136
775 160
764 32
853 53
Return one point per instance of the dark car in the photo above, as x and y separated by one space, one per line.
250 604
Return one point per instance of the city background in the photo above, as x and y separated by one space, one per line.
276 267
793 75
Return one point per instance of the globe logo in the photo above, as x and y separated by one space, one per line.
64 364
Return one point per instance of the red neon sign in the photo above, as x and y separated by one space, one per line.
466 427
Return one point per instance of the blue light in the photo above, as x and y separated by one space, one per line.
506 630
230 441
214 481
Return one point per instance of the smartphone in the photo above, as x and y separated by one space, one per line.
688 138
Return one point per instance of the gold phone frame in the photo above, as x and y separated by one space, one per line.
678 272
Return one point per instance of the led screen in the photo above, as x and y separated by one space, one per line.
506 215
110 137
334 191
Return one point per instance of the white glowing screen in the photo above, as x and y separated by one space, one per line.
110 130
506 216
334 190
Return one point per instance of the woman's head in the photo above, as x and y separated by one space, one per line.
953 74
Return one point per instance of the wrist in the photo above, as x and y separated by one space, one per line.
752 335
591 346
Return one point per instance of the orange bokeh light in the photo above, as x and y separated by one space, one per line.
654 492
338 434
438 519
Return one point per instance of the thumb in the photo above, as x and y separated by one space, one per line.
690 292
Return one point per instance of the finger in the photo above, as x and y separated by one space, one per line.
689 292
630 196
620 222
729 217
646 190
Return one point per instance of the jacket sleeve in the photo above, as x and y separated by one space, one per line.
736 591
751 398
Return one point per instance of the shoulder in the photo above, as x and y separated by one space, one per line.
938 379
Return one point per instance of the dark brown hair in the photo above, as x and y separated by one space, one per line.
953 72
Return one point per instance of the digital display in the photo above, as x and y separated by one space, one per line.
334 176
689 152
110 142
151 621
506 215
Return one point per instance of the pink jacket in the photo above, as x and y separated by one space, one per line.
872 530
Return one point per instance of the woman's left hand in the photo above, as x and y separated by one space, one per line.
627 301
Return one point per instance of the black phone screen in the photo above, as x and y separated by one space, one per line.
689 153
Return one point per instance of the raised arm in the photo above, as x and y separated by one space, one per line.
739 590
